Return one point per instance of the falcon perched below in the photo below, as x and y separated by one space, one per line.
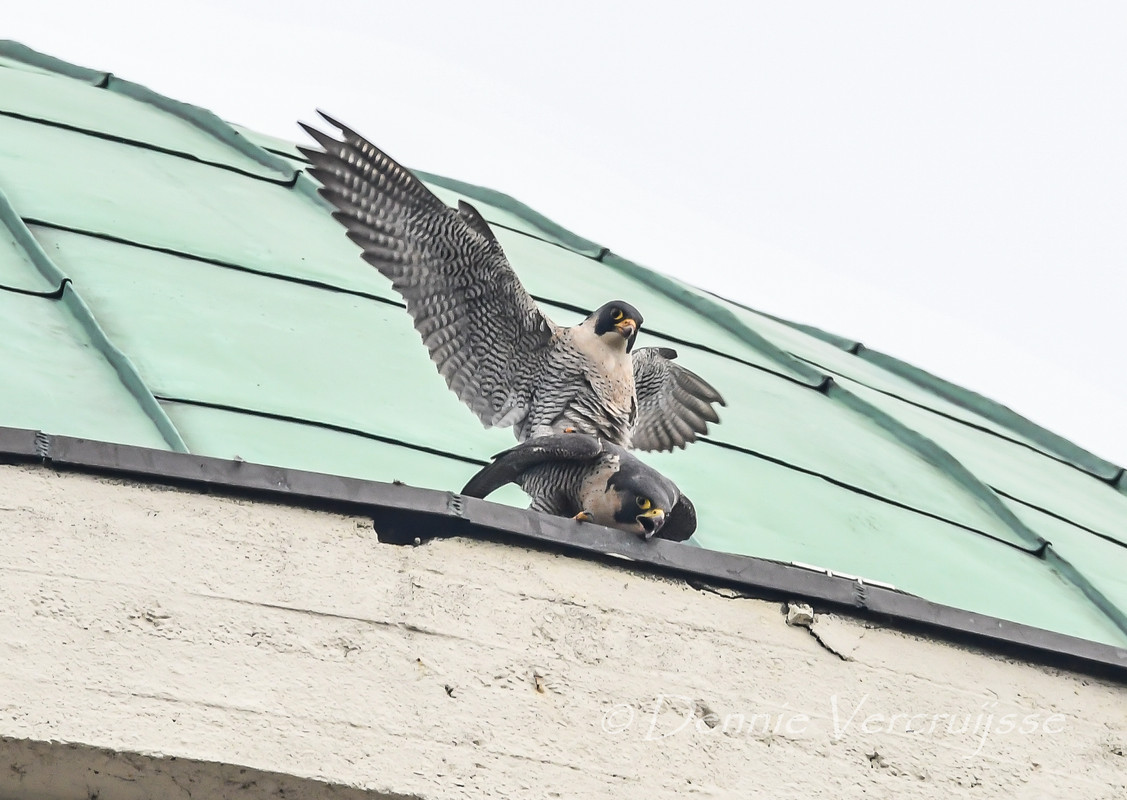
575 475
497 351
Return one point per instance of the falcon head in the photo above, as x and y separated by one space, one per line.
617 321
643 499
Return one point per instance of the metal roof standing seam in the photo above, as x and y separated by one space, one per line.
68 295
226 330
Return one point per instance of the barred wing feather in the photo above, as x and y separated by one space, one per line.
674 404
482 329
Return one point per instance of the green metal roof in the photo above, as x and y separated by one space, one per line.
167 280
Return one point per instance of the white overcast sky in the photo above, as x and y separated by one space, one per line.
944 181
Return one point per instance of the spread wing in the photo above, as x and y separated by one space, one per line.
674 404
681 522
508 466
478 322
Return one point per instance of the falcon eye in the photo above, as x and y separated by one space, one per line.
644 503
617 314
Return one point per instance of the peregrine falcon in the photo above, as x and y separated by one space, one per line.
580 476
493 345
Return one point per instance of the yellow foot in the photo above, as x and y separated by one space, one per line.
582 516
570 430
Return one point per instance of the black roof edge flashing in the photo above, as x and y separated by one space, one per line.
404 514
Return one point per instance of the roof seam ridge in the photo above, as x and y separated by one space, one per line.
841 342
675 339
204 120
282 154
992 410
29 245
126 370
573 241
163 398
862 491
201 118
578 245
24 54
998 413
519 232
743 361
974 426
121 364
716 314
1071 573
938 457
857 348
155 148
1099 534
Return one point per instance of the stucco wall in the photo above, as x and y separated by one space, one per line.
156 621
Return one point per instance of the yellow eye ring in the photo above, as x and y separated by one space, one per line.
618 314
644 503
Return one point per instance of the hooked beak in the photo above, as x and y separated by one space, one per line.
627 328
651 521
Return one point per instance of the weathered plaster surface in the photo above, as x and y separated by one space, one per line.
168 623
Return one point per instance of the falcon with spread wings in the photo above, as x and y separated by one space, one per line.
496 349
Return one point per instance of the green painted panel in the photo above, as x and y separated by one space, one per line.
294 445
1101 561
1016 470
212 334
55 380
70 102
170 202
755 508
